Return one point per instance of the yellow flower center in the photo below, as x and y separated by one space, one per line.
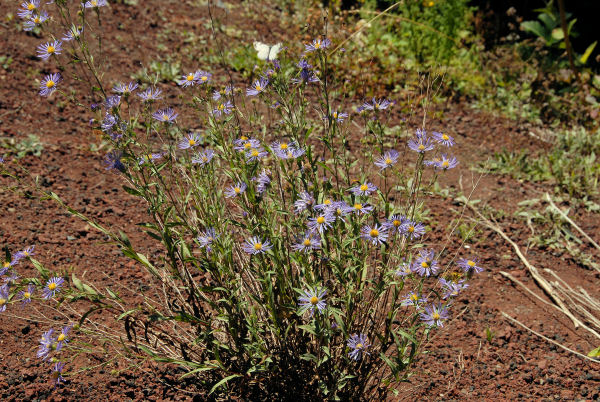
471 263
6 264
359 346
50 49
2 301
192 142
283 146
289 154
364 187
94 3
327 202
388 161
358 206
445 137
421 147
204 159
338 211
254 152
435 316
335 115
52 286
247 145
49 84
258 246
61 338
411 229
26 295
243 138
258 87
414 297
320 220
190 77
374 232
221 107
306 242
314 300
165 117
445 163
425 264
204 78
396 222
37 20
318 44
31 6
237 190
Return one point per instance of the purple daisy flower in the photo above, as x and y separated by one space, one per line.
262 181
34 21
451 288
340 209
413 299
150 158
245 144
3 297
412 230
223 108
207 238
61 339
112 101
227 91
167 115
311 300
361 209
317 44
191 140
57 373
255 245
395 223
443 139
388 159
257 87
321 223
28 8
376 104
363 189
425 264
49 49
306 73
358 345
203 76
95 3
125 89
234 191
188 80
25 294
306 200
46 344
446 162
310 241
470 265
112 160
150 94
376 234
203 158
25 253
255 154
420 144
73 33
49 84
52 287
108 122
404 269
435 315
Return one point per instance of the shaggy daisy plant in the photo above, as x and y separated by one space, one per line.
286 261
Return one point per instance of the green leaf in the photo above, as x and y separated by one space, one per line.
588 52
41 269
76 282
535 28
222 382
595 352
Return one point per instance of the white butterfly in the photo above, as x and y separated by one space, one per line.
267 52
